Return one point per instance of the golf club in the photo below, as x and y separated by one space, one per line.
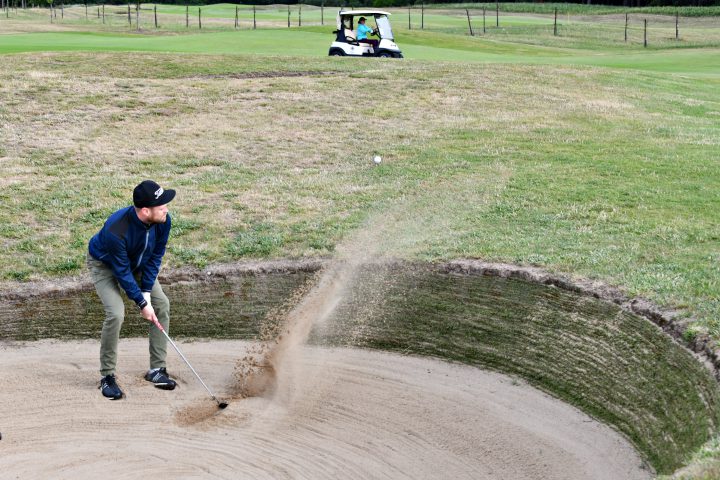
220 404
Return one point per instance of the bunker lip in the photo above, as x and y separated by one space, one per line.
669 320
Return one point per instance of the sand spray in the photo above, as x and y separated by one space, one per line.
407 226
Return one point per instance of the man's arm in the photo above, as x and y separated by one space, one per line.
120 265
152 267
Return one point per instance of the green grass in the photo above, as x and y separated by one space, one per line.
426 46
582 9
583 32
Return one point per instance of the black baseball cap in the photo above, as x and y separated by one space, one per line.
150 194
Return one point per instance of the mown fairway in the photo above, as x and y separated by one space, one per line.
519 38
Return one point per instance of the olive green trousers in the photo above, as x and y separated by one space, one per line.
110 293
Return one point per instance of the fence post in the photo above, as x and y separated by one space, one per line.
555 25
187 16
497 13
155 12
86 14
129 18
200 18
322 12
626 23
62 11
409 15
467 12
677 27
103 13
422 16
254 22
299 14
236 16
137 16
288 15
483 19
645 34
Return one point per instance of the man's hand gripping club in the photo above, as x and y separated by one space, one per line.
148 313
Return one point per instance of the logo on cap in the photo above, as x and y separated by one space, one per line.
158 192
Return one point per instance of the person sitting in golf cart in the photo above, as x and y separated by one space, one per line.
363 31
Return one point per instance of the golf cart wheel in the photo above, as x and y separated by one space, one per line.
336 52
385 54
398 55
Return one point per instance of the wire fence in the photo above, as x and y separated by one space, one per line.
557 29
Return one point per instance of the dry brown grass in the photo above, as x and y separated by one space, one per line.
242 151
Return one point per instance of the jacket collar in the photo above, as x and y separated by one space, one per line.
134 218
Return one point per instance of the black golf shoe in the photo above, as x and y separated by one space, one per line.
109 388
160 378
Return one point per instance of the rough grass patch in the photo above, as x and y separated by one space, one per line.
260 240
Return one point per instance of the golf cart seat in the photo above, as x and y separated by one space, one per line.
345 36
349 36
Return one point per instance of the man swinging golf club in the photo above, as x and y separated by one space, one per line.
126 253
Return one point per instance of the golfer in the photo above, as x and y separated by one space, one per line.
126 254
363 31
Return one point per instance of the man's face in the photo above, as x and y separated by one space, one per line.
157 214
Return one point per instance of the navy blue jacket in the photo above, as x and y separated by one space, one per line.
128 247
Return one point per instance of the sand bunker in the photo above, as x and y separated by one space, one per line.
347 414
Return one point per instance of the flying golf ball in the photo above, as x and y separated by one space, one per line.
377 159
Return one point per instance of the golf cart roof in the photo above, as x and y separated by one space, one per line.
354 13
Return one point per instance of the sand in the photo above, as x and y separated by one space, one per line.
345 414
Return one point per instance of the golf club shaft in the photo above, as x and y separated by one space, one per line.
158 325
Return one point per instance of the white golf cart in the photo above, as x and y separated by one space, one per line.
346 42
